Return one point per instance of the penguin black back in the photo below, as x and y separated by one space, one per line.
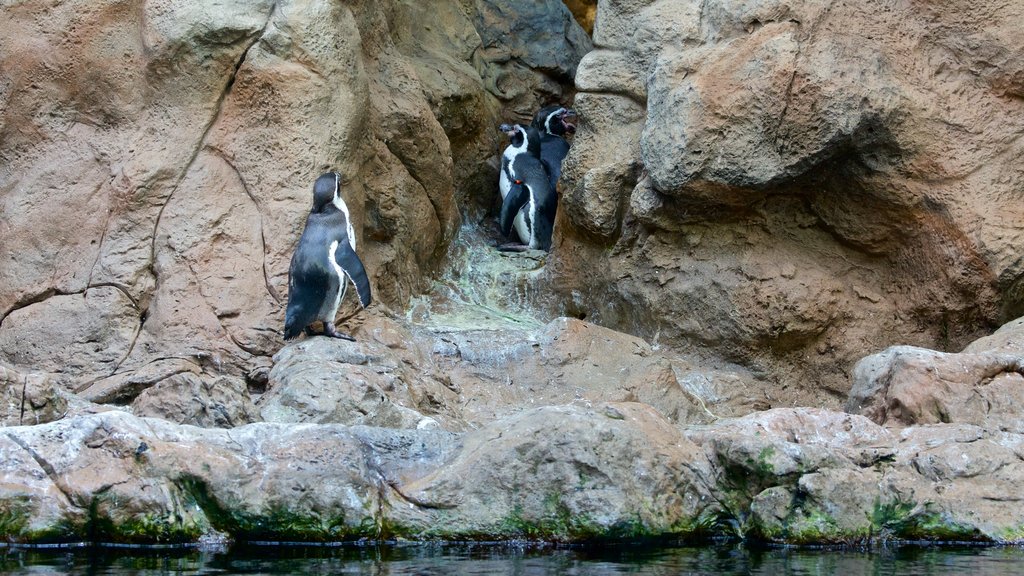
554 123
323 263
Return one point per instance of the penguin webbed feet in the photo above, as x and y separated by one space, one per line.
513 247
329 331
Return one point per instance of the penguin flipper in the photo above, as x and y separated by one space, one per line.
517 197
350 263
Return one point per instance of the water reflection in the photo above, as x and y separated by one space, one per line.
423 560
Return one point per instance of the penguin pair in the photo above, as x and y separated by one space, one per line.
530 168
323 264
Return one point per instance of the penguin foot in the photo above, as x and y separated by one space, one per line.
330 331
513 247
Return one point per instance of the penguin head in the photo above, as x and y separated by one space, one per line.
516 134
555 120
523 139
326 190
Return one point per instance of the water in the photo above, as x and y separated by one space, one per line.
438 559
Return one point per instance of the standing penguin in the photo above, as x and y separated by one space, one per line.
554 122
518 145
323 263
530 194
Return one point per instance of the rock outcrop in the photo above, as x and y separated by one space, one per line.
983 385
783 185
158 159
557 473
758 195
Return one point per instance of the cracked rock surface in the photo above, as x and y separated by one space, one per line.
158 160
791 185
759 195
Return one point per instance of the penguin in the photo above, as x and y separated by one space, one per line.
554 122
530 194
323 263
518 145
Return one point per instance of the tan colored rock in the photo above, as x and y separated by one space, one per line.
188 399
159 160
27 399
867 153
382 379
563 473
984 385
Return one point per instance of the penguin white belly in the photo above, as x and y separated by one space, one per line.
504 185
529 238
329 308
521 228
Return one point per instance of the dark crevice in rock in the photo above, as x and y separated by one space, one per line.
789 99
416 502
259 209
30 300
51 292
24 395
119 287
103 237
47 467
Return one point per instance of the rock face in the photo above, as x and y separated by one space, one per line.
29 398
758 194
782 185
158 159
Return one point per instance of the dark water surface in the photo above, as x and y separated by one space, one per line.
511 560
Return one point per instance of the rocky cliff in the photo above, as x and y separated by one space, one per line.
760 200
158 160
787 185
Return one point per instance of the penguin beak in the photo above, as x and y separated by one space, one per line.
567 117
508 129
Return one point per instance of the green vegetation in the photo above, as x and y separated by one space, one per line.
14 516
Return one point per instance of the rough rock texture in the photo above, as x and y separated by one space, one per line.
403 376
188 399
27 399
784 185
158 157
758 193
984 385
564 473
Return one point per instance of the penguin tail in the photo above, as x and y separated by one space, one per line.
292 329
296 319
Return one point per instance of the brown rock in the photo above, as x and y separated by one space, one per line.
189 399
159 159
27 399
984 385
379 380
562 473
801 138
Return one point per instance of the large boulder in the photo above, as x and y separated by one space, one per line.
983 385
557 473
782 183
